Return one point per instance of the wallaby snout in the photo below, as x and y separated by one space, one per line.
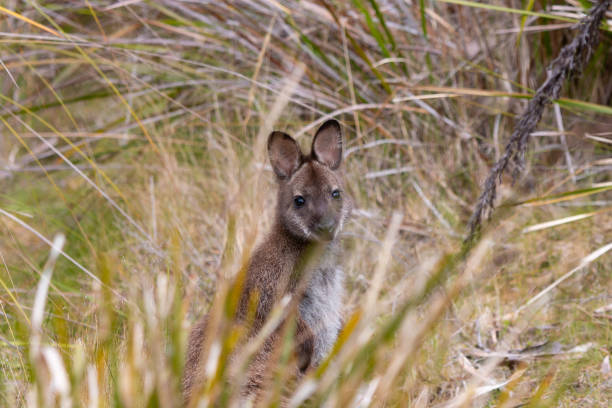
326 220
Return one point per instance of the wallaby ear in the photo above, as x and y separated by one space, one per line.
327 144
285 154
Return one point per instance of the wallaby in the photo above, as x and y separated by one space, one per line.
311 210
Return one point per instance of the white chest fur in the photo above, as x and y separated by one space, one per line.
321 309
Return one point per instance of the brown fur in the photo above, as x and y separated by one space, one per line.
296 257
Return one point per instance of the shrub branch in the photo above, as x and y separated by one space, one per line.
570 60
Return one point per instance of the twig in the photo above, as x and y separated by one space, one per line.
570 61
583 262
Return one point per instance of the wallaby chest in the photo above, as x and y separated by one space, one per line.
320 308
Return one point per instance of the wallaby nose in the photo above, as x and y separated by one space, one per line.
326 225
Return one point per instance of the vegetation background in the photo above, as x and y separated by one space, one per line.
136 129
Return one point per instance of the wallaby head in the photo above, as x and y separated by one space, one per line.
312 205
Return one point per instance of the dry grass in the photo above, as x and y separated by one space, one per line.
135 130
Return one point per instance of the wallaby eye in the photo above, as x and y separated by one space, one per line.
299 201
336 194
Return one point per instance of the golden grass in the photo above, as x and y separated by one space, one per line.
136 130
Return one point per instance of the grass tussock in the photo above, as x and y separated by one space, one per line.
134 185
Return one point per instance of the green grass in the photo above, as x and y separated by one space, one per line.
158 107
